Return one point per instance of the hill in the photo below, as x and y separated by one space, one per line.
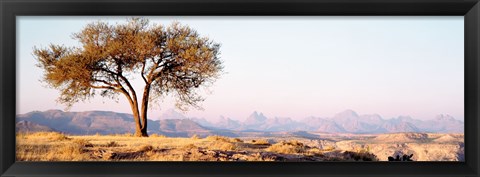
102 122
173 123
27 126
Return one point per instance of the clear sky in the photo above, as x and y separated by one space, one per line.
291 66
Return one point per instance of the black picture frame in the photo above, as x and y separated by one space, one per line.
9 9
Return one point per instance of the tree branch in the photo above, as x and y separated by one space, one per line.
158 64
106 83
129 86
103 87
143 72
122 90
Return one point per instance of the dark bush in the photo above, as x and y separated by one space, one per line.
405 157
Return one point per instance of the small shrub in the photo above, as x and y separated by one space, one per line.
405 157
291 147
190 146
295 143
218 138
236 140
221 145
54 136
261 142
145 148
112 144
82 143
359 156
157 136
195 137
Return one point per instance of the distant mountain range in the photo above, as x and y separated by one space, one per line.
173 123
102 122
347 121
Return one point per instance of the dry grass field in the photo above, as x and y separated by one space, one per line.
52 146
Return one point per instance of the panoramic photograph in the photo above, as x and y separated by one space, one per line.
193 88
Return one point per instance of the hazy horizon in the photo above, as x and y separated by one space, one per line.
213 119
291 66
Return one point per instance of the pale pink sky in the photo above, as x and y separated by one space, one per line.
292 66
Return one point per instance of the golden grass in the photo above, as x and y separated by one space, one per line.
112 144
53 136
49 146
82 142
217 138
288 147
195 137
221 145
157 136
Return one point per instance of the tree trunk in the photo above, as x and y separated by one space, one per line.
140 117
144 109
143 132
140 131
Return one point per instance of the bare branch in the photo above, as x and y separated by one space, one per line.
106 83
102 87
143 72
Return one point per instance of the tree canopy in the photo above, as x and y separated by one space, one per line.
170 60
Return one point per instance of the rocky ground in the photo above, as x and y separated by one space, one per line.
423 146
321 147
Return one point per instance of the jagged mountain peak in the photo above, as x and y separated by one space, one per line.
255 117
348 121
347 113
404 117
444 117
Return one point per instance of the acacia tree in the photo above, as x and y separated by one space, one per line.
170 60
